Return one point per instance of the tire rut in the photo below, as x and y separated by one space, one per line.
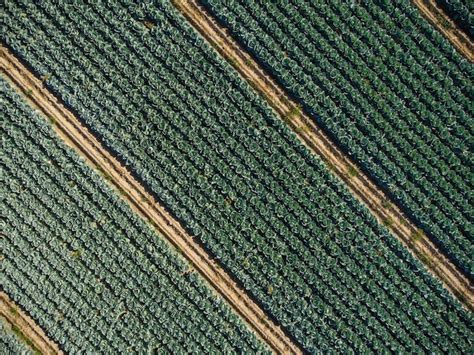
361 186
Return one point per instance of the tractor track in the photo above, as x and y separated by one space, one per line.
438 18
70 129
17 319
361 186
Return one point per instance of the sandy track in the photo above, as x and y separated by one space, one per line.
29 329
312 136
430 10
70 129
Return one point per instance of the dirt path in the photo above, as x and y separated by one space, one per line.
312 136
430 10
78 137
30 331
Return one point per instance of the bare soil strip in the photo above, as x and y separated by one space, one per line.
28 329
70 129
311 135
430 10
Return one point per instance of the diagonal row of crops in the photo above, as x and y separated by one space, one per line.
70 129
90 272
307 131
434 13
388 88
461 12
235 176
11 341
17 324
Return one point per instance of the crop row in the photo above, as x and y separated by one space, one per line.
10 342
386 89
91 273
461 12
220 160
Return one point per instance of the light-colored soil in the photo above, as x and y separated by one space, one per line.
312 136
70 129
20 322
430 10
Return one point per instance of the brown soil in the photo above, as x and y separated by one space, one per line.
25 327
312 136
70 129
430 10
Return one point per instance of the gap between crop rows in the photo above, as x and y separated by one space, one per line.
312 136
26 328
446 26
70 129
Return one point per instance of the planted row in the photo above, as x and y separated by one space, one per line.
389 90
11 341
461 12
91 273
236 177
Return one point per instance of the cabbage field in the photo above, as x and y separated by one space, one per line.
462 13
12 342
91 273
211 150
390 90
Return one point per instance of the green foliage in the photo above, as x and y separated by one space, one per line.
195 133
353 171
393 93
417 235
87 270
13 341
461 12
76 254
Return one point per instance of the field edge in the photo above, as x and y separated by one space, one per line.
446 26
25 327
76 136
360 185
